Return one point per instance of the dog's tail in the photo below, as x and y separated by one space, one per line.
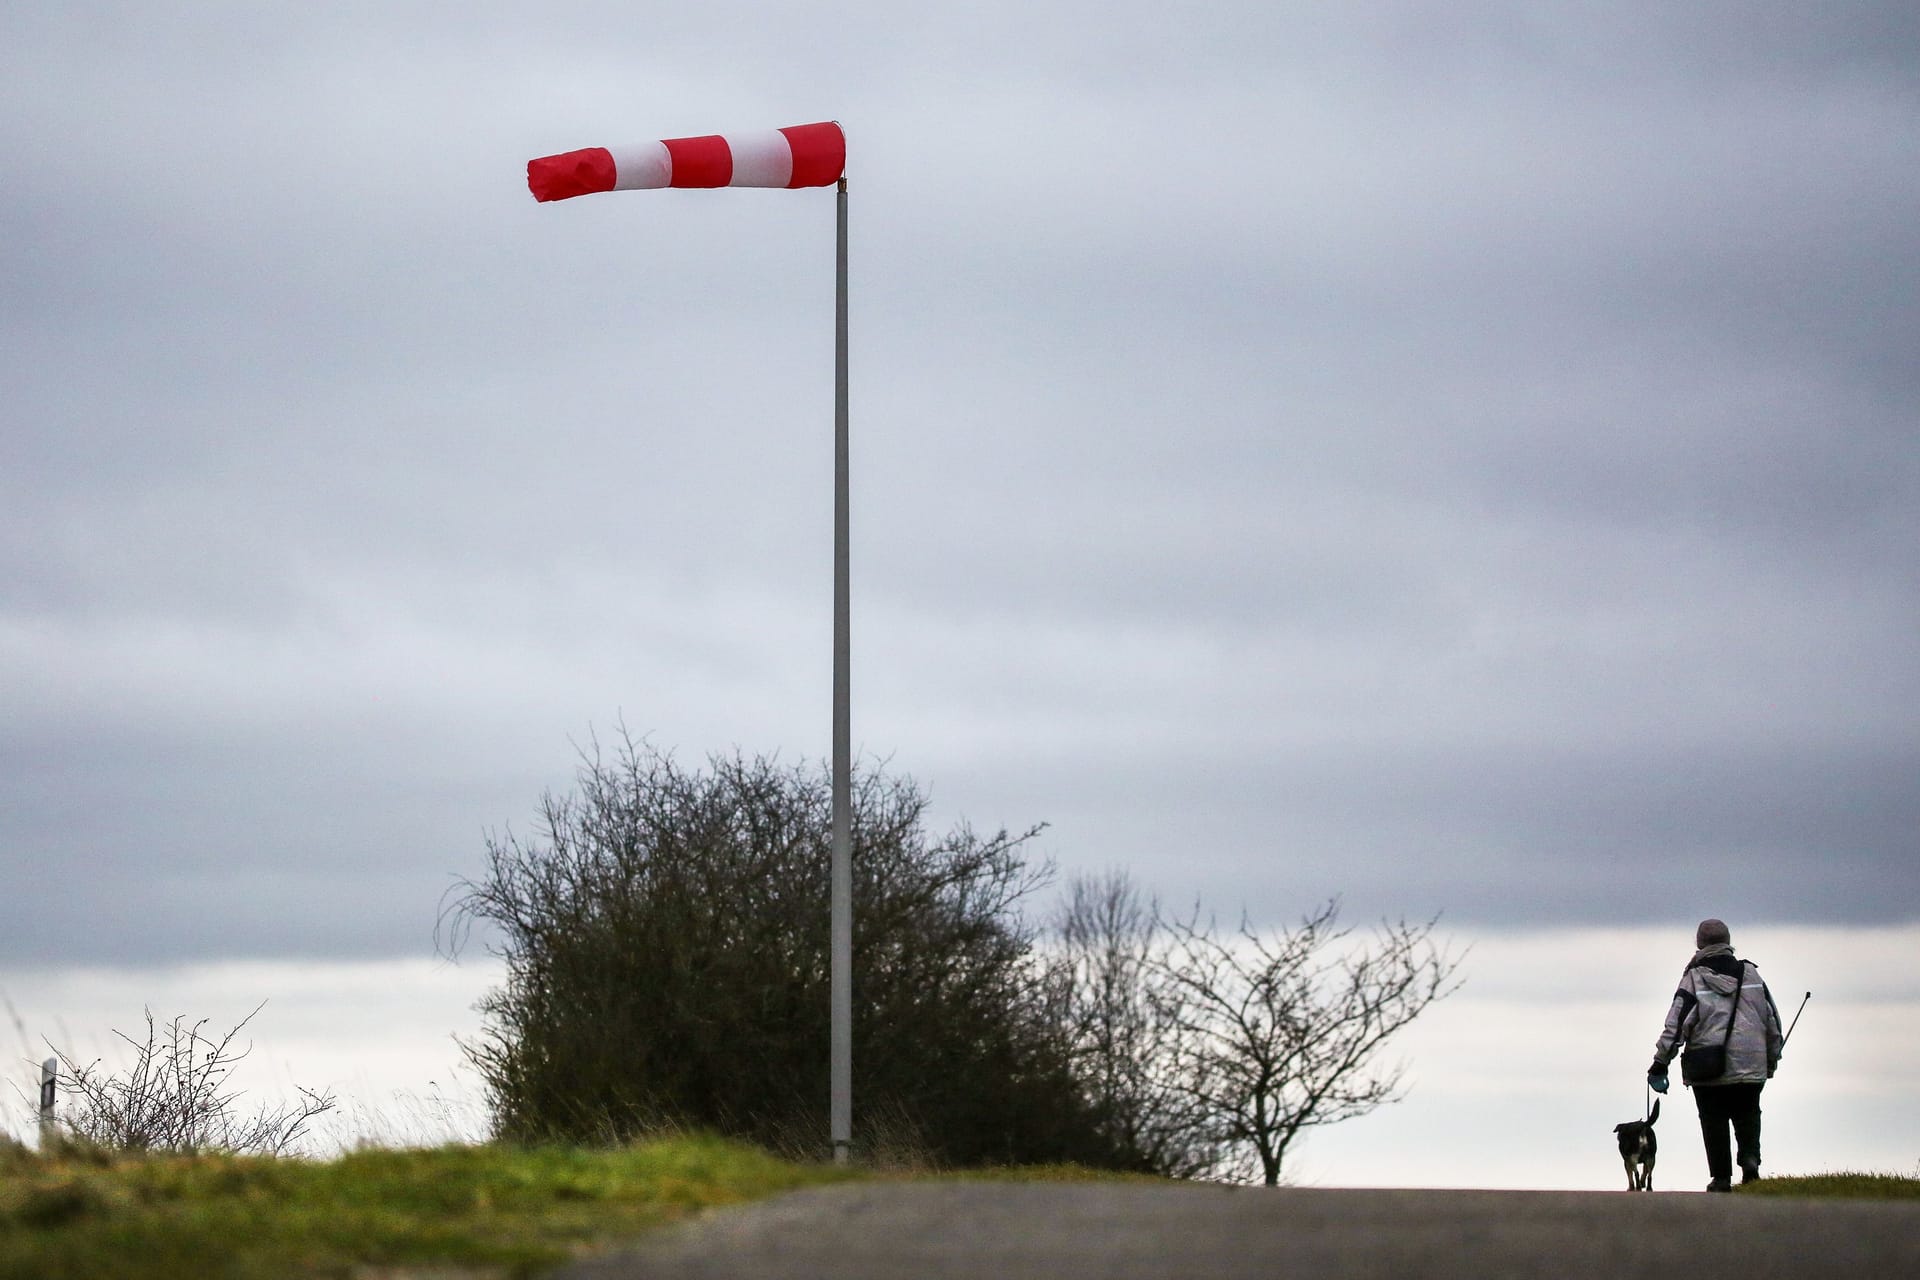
1656 1111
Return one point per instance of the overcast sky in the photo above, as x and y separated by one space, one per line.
1464 457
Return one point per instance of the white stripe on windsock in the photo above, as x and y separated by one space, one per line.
645 166
762 159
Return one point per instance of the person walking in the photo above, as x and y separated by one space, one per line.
1725 1027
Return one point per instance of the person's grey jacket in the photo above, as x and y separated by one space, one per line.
1698 1016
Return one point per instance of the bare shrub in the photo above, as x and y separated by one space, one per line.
1211 1053
665 933
1280 1033
177 1096
1125 1030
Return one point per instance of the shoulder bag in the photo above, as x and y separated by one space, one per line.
1708 1062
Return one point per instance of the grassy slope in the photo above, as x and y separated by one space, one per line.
1848 1186
487 1211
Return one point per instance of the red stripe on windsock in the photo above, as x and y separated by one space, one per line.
574 173
819 154
700 162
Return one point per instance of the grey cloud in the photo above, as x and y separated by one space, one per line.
1522 837
1464 457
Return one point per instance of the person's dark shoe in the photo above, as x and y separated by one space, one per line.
1749 1173
1720 1184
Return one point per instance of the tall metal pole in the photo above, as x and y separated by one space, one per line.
841 980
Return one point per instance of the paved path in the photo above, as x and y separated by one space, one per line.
928 1231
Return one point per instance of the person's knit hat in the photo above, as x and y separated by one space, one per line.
1712 933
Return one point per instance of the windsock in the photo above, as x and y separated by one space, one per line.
801 155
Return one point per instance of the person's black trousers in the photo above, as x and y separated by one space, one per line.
1722 1105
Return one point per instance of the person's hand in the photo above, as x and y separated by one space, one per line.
1657 1081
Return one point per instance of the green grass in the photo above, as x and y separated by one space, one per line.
476 1211
1839 1186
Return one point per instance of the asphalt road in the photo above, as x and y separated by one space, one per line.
924 1231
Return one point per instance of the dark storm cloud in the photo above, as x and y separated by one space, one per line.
1465 457
1497 837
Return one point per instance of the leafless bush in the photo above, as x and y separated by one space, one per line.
1211 1054
1126 1034
177 1096
1282 1032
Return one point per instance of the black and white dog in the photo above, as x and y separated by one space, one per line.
1637 1147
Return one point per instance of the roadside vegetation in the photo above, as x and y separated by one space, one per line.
665 933
491 1210
1839 1186
178 1096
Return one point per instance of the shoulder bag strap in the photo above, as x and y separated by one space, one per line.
1739 984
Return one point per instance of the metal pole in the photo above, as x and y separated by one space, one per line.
841 979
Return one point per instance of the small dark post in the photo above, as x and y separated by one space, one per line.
49 1093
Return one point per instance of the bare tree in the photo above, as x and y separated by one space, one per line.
177 1096
1280 1033
1124 1029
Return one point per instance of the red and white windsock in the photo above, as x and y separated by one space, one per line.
801 155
